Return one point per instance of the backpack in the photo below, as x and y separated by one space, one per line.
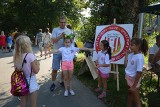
19 84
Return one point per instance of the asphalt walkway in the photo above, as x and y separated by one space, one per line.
84 96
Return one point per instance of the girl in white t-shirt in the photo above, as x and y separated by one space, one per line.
103 65
68 53
134 62
23 47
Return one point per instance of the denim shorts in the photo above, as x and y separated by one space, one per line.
56 61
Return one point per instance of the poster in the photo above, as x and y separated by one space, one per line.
119 37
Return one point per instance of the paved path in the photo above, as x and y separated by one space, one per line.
83 98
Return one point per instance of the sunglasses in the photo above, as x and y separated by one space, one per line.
67 42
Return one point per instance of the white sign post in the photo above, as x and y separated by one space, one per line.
119 36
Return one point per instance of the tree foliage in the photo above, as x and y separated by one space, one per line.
104 11
31 15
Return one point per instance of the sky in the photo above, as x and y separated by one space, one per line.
86 12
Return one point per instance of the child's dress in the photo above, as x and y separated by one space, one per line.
2 40
47 39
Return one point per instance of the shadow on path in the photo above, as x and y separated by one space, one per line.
83 98
10 54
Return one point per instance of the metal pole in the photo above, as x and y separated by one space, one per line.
140 24
117 72
114 21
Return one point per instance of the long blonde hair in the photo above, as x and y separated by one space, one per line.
22 45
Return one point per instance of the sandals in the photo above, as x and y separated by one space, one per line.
98 89
102 95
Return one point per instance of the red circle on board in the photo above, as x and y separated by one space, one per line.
125 35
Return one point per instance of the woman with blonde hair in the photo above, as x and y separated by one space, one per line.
30 68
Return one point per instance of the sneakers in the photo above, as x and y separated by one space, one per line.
66 93
52 87
72 92
102 95
98 89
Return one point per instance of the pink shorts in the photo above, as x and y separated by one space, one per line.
103 75
67 65
130 81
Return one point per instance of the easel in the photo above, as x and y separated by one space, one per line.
116 72
93 70
115 66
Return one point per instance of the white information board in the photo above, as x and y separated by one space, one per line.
119 37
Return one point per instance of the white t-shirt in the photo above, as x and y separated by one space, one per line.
68 53
27 70
135 63
103 59
57 32
156 48
151 50
27 66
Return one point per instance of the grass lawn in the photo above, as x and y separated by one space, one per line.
149 95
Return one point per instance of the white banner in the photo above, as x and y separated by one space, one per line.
119 37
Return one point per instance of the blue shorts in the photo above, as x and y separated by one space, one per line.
56 61
40 46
